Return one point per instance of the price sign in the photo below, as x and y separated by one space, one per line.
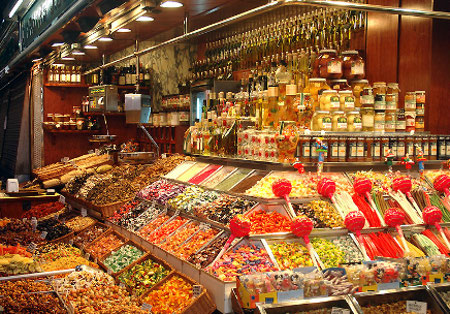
84 212
416 307
32 247
87 255
163 156
196 290
34 223
44 234
146 307
62 199
65 160
338 310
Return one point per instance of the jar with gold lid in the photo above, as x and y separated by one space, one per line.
379 92
322 121
368 119
329 100
390 121
328 65
338 121
410 101
347 100
353 65
354 123
358 86
367 98
379 121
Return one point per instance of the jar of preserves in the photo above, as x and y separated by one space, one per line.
368 118
315 87
379 121
352 154
379 91
391 103
392 88
339 121
329 100
353 65
347 100
367 98
420 103
358 86
340 84
410 101
420 124
420 97
354 121
322 121
328 65
389 125
333 144
410 117
400 126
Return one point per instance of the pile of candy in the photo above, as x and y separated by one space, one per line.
148 215
393 307
79 223
15 231
382 244
192 198
224 208
147 230
83 279
352 254
268 222
104 245
42 210
54 228
61 256
199 239
290 255
205 256
329 254
122 211
161 191
143 276
121 258
173 242
159 235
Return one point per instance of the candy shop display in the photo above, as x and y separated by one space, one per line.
322 213
148 229
218 176
330 254
268 222
148 215
173 296
16 264
88 235
54 228
242 259
204 174
352 254
61 256
191 198
198 240
192 171
382 244
160 234
78 223
18 232
290 255
161 191
123 212
205 256
175 173
104 245
224 208
122 257
82 280
233 179
172 242
143 276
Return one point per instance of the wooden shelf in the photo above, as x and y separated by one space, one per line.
106 113
66 85
73 131
132 87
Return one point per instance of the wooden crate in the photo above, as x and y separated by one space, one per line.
107 233
202 304
141 260
129 242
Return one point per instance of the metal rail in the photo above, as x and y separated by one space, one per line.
271 6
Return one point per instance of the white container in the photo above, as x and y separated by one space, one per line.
12 185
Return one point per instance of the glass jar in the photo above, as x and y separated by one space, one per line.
368 119
389 125
339 121
322 121
410 101
328 65
391 103
272 112
347 100
340 84
379 121
410 117
367 98
315 87
329 100
400 126
353 65
392 88
354 121
304 108
420 103
358 86
379 91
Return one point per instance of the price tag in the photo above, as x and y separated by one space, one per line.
34 223
84 212
197 290
44 234
24 220
338 310
31 247
71 241
62 199
416 307
163 156
87 255
65 160
146 307
97 152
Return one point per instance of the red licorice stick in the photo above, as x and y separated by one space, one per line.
368 212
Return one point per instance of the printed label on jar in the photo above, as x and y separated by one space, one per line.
380 102
314 151
360 150
334 150
420 111
368 121
357 125
385 149
342 126
391 105
334 103
379 126
357 68
420 124
410 121
425 149
367 99
400 125
433 149
353 150
326 124
401 150
306 150
334 67
349 102
376 150
389 126
420 98
410 149
410 105
448 149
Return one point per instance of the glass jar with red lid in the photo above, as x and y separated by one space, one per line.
328 65
353 65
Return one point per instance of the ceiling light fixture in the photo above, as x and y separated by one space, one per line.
105 38
123 30
171 4
145 18
57 44
15 8
90 47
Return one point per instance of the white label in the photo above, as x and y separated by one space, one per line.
163 156
368 121
44 234
416 307
71 241
334 151
357 125
84 212
196 290
357 68
34 223
65 160
349 104
360 151
326 126
334 67
146 307
401 151
24 220
433 149
338 310
335 105
342 126
410 105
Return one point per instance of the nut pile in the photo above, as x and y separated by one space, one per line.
78 223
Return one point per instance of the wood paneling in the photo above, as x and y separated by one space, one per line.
382 44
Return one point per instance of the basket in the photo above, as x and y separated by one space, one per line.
87 249
91 226
66 238
83 228
100 260
108 210
141 260
202 304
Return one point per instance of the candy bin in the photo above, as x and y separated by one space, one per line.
290 254
287 142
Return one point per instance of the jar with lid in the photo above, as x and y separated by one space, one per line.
420 123
353 65
410 117
389 125
368 119
272 112
305 148
329 100
328 65
340 84
347 100
358 86
352 154
400 126
322 121
339 121
354 121
391 103
426 147
420 103
379 91
379 121
342 148
367 98
410 101
315 87
392 88
433 141
288 111
304 109
333 144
